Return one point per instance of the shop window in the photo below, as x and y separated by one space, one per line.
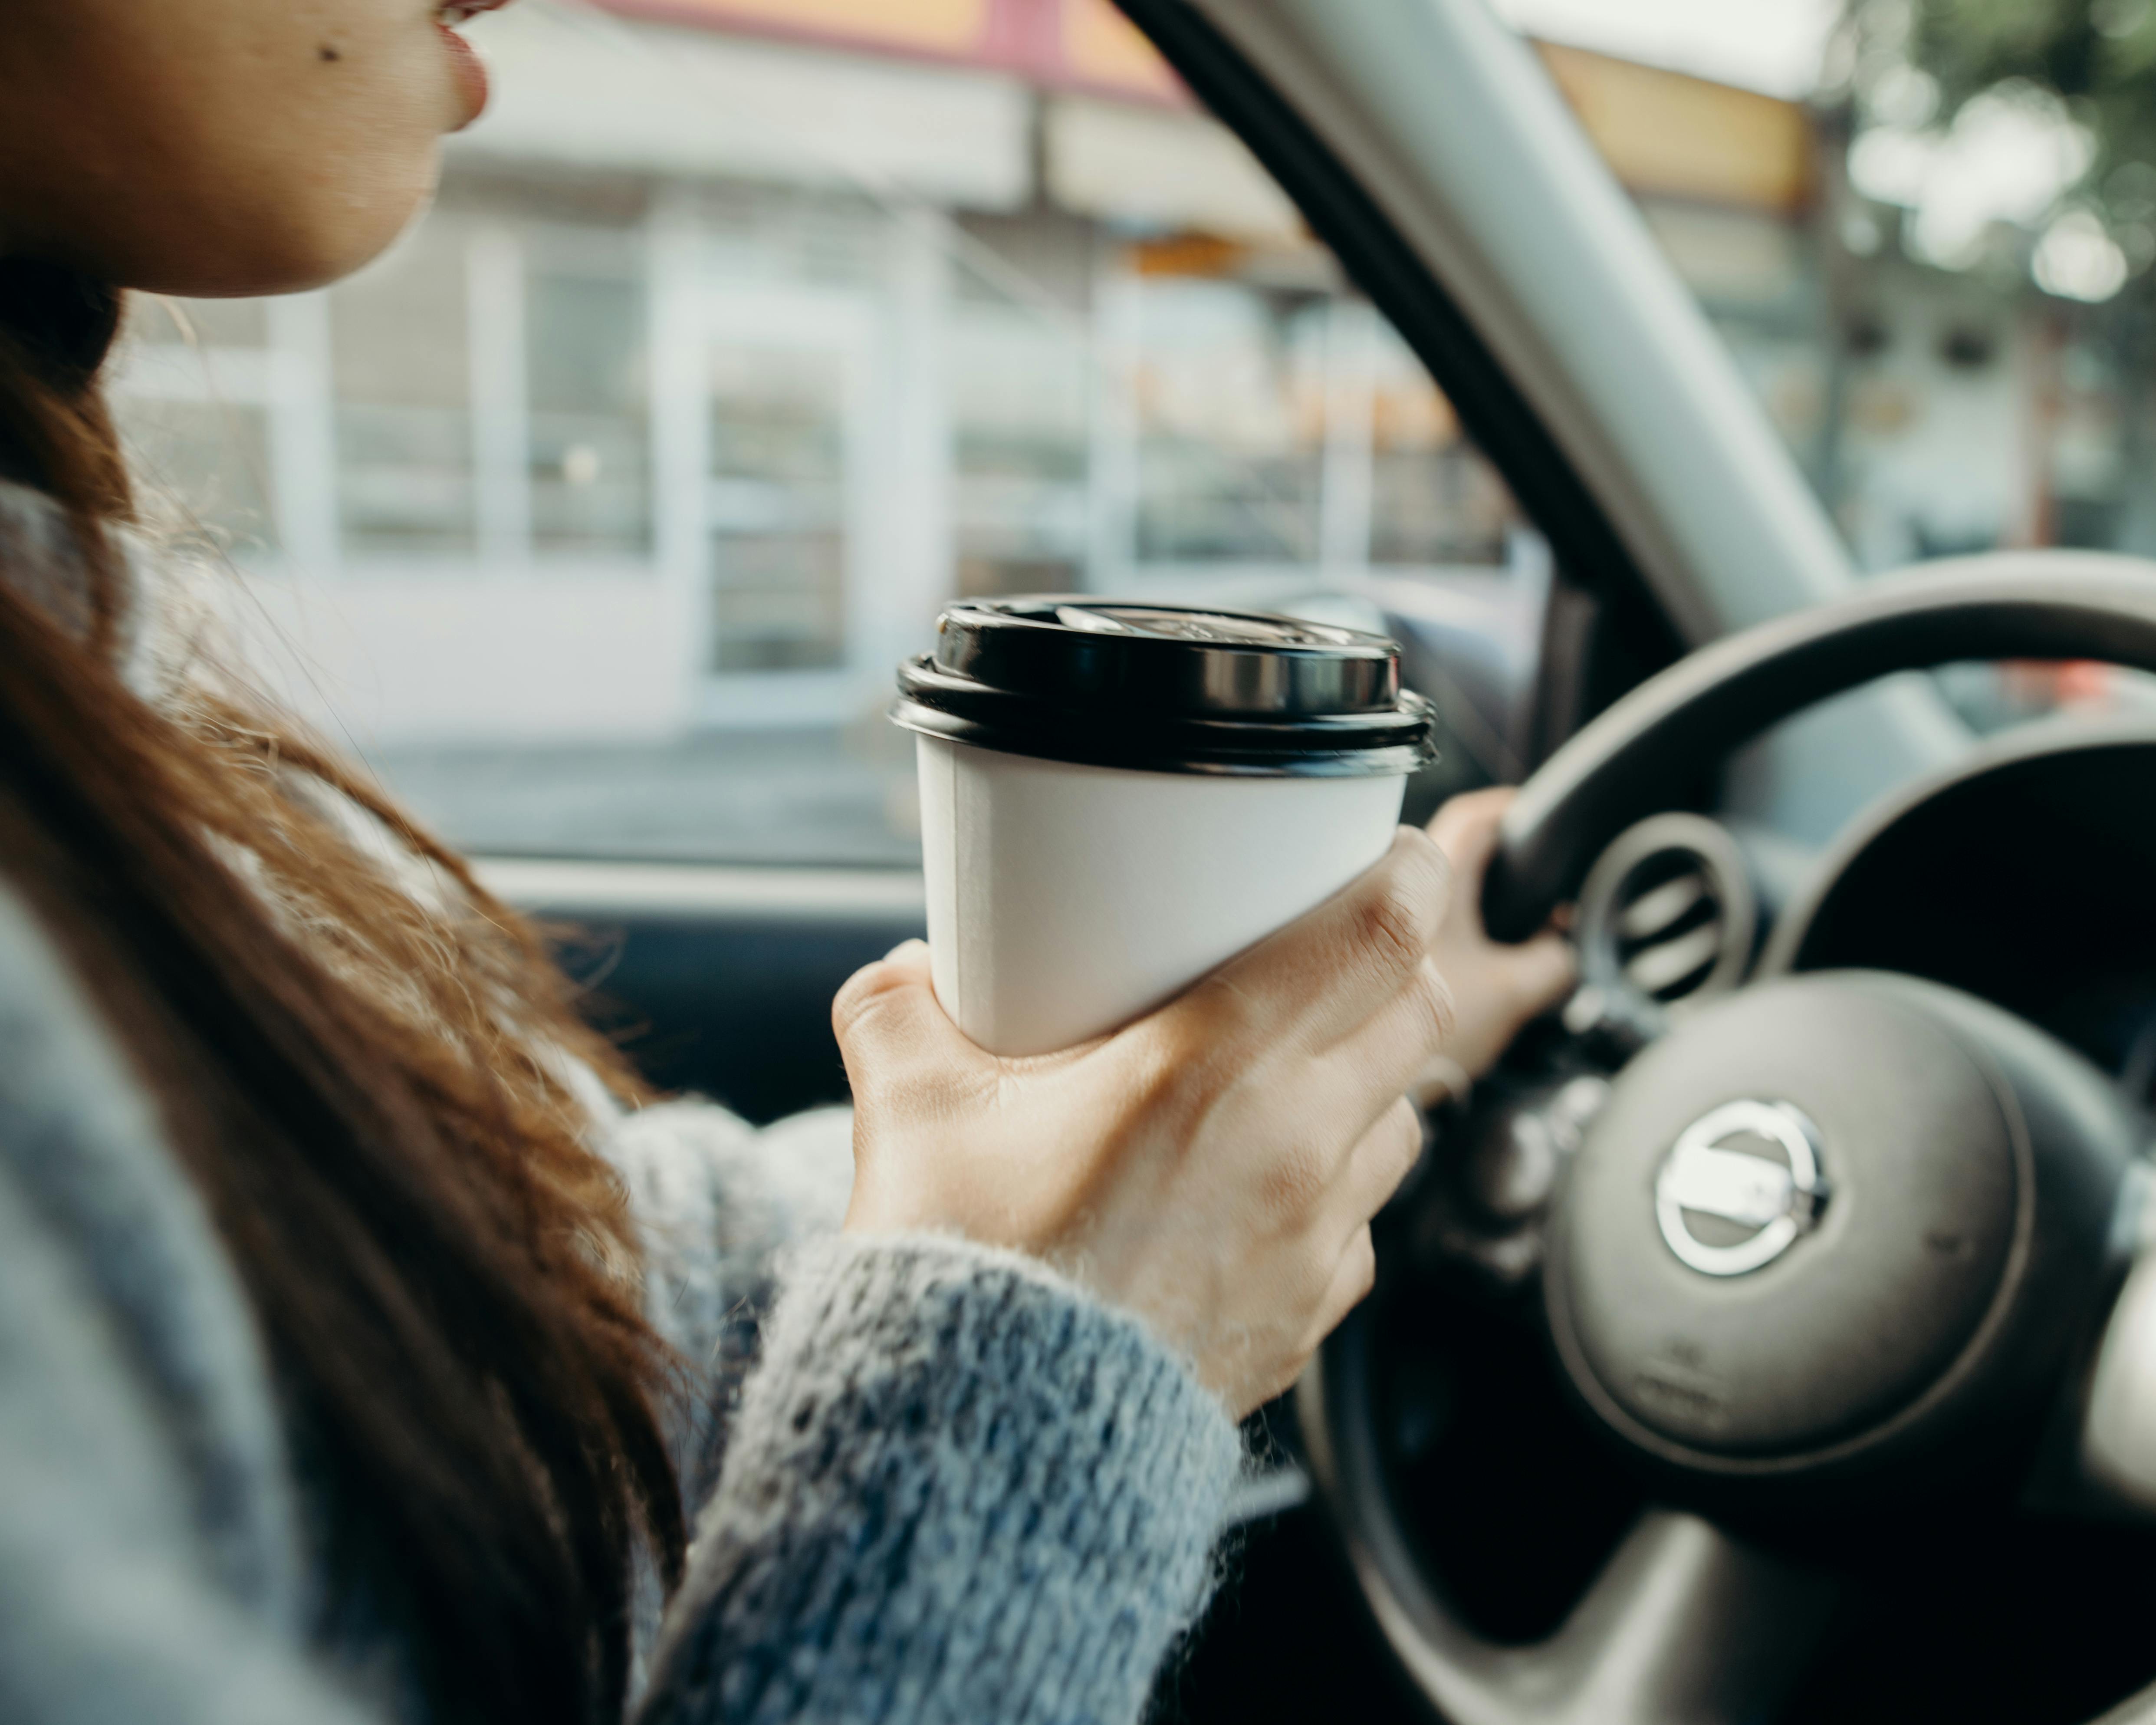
1435 501
590 412
777 506
1019 411
1228 395
401 370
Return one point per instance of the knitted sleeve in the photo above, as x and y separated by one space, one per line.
148 1557
110 1607
957 1492
716 1201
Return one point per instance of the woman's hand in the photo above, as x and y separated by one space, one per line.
1498 988
1212 1167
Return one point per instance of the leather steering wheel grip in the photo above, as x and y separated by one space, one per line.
2039 604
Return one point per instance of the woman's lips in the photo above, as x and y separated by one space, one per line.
464 64
470 72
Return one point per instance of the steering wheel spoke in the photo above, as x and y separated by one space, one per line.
1684 1625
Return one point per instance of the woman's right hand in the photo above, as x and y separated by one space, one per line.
1212 1167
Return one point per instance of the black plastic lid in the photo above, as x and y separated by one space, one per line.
1166 688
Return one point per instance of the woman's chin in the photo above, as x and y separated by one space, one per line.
286 250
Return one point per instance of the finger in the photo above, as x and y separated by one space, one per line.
1444 1080
889 1022
1383 1057
1540 972
1326 974
1383 1157
1352 1279
912 955
1466 829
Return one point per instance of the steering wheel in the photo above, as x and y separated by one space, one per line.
1834 1243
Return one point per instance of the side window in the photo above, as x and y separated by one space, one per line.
598 512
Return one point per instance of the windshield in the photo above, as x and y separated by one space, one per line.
1925 231
598 515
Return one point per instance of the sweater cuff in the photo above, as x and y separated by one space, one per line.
956 1489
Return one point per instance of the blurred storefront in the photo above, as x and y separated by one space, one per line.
742 335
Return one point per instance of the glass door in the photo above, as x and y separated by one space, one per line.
786 496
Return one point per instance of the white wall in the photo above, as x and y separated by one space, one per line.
589 90
447 658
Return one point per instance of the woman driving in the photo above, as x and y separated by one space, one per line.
372 1347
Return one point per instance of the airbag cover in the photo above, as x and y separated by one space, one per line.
1895 1271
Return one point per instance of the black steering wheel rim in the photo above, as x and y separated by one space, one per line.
2034 604
1634 1649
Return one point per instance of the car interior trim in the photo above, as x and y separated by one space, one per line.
1717 865
685 892
1785 949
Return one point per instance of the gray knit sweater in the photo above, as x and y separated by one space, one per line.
952 1488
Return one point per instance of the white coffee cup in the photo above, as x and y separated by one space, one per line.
1115 798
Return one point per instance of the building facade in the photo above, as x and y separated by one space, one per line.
740 338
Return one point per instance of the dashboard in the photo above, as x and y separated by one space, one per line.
2027 877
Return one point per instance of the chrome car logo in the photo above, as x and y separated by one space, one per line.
1778 1199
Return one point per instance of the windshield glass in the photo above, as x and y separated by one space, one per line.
596 515
1924 229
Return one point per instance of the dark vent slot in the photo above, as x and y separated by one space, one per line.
1669 931
1666 922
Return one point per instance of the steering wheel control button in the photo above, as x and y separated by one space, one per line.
1722 1306
1738 1187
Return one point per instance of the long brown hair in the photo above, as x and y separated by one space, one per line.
359 1057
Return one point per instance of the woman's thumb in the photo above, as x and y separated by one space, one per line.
887 1013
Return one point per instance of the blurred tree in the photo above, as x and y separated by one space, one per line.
1923 63
1919 66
